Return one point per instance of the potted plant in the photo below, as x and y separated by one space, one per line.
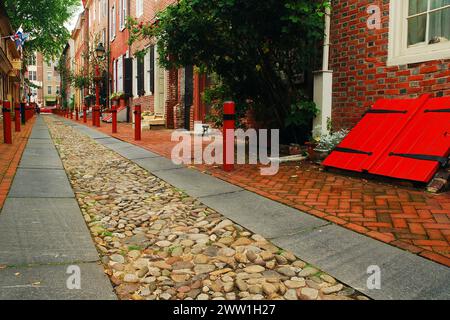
310 146
327 143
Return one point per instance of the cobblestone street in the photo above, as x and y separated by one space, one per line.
158 243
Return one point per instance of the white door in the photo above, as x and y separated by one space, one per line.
160 100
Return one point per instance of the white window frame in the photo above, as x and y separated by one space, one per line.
122 14
139 8
32 75
49 90
120 74
113 23
135 76
104 8
49 75
398 51
115 75
147 72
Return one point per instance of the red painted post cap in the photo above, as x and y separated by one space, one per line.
229 107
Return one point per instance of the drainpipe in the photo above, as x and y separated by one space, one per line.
326 45
323 84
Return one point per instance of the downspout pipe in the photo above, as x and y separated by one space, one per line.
326 44
323 82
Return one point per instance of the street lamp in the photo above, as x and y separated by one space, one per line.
100 53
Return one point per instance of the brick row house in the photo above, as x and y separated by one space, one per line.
382 49
372 50
10 62
170 98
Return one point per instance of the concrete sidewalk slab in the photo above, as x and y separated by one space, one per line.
347 255
43 231
262 215
40 156
156 164
132 152
40 134
40 183
109 141
195 183
94 134
49 282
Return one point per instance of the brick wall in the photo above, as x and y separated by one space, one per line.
358 58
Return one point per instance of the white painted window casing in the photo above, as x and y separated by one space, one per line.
147 73
399 52
120 74
122 14
113 23
139 8
135 93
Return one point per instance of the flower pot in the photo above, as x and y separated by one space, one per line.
320 154
310 149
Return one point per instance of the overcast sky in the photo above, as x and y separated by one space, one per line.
73 21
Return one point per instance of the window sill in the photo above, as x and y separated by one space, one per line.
418 57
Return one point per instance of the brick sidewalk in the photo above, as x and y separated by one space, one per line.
10 156
407 218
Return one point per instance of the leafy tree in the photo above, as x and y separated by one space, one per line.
261 50
44 19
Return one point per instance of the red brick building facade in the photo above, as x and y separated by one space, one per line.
396 60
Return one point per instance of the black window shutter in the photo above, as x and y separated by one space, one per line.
189 86
128 78
152 69
140 77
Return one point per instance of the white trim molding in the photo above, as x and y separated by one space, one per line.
398 51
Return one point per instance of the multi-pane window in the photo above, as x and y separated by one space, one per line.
120 74
32 75
104 8
428 21
32 60
419 30
49 89
49 75
103 36
122 13
139 8
113 23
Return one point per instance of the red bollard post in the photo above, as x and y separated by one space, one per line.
7 134
137 122
114 118
93 116
98 116
229 116
84 114
17 117
71 114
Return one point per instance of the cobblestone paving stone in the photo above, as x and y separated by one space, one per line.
156 242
